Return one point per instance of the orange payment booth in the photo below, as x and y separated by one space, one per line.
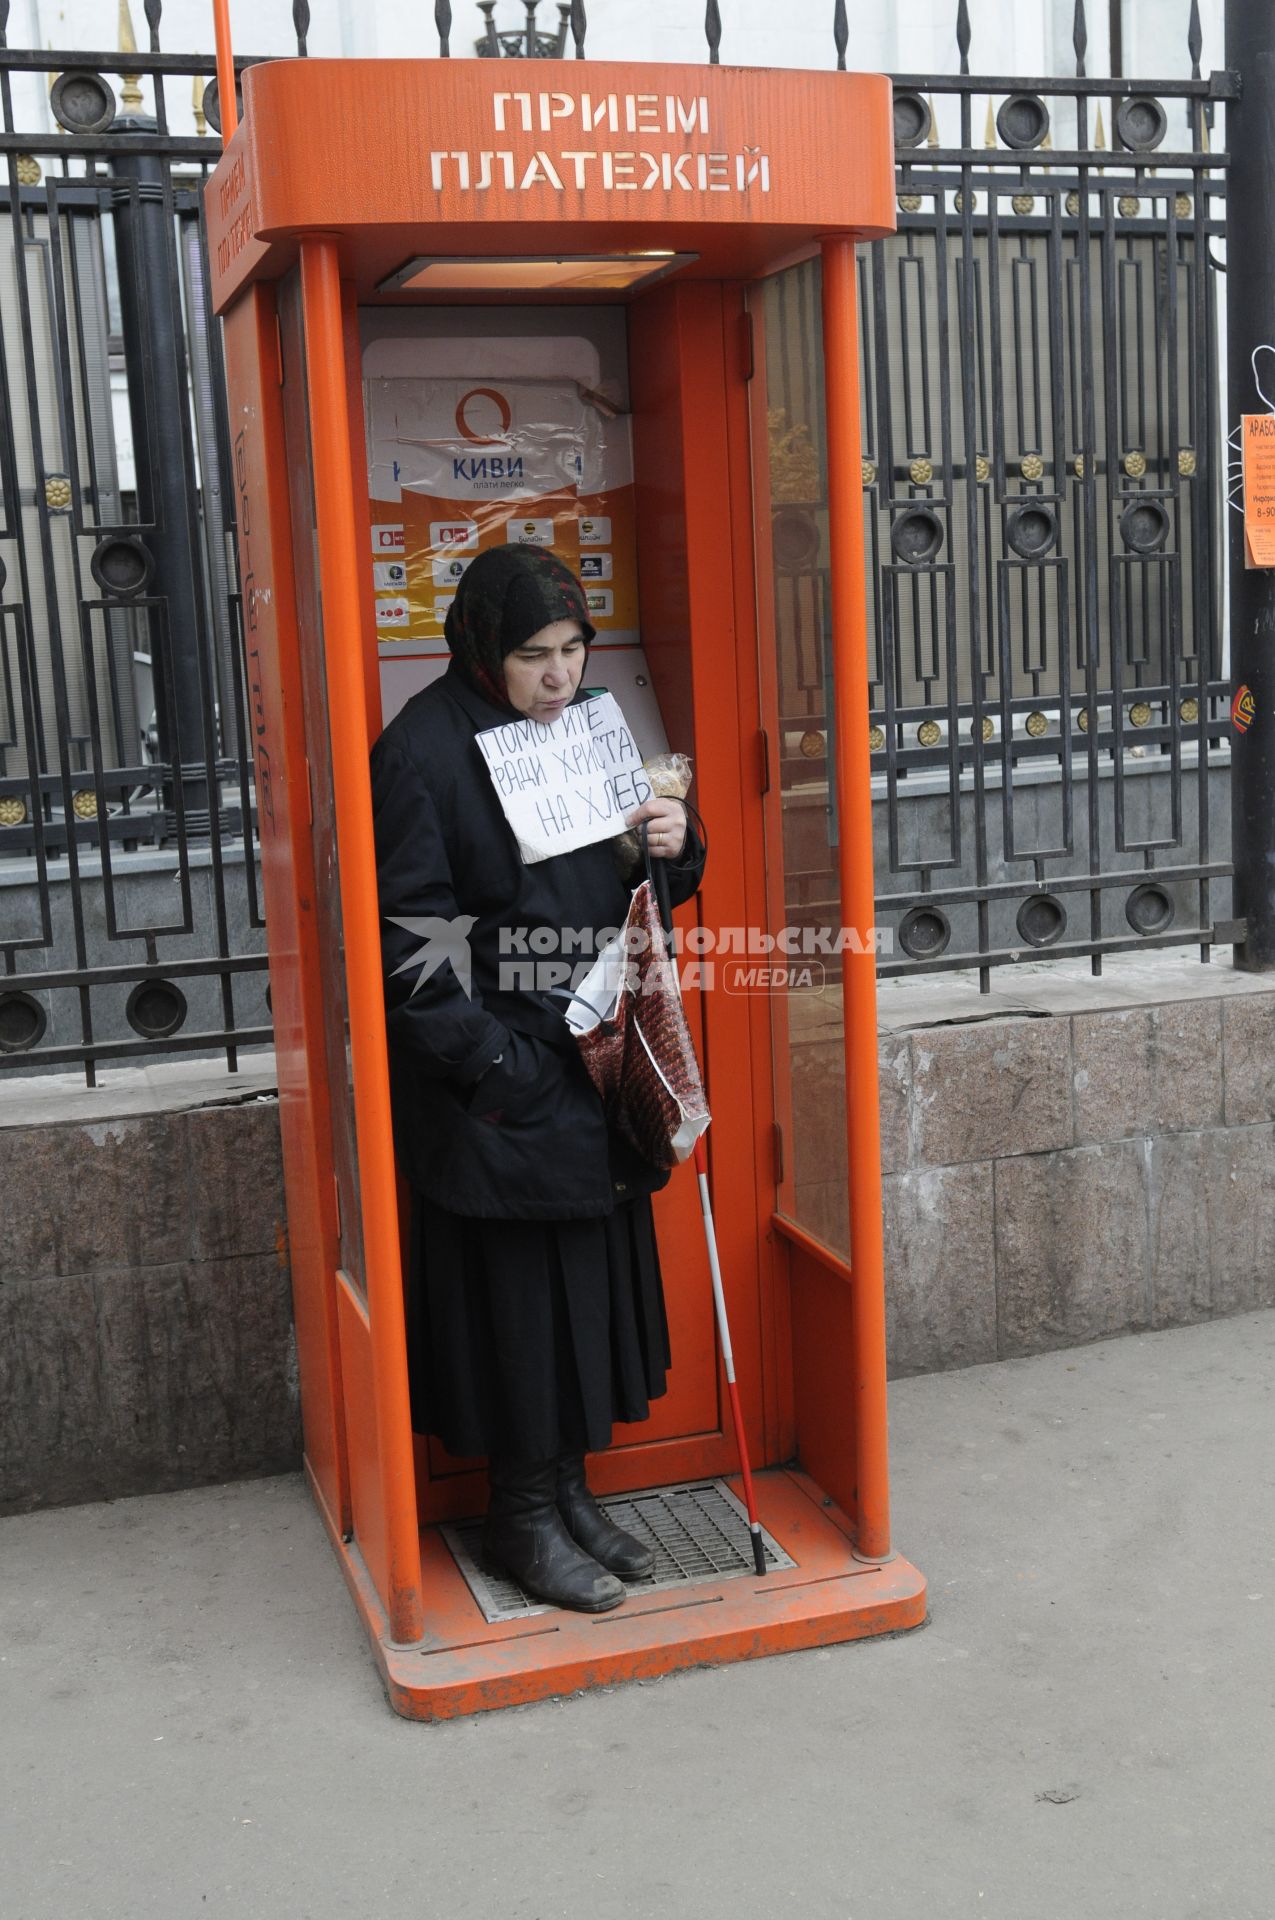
476 301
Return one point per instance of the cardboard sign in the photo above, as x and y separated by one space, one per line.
1258 442
569 782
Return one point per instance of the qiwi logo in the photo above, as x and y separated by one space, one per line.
474 420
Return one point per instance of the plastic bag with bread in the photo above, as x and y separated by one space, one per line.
670 778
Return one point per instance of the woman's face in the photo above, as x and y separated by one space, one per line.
541 675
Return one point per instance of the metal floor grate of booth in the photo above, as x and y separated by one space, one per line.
698 1530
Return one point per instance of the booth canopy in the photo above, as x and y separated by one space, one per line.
723 173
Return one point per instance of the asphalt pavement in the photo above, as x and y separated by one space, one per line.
191 1725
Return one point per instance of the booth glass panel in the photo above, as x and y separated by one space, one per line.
808 1017
323 828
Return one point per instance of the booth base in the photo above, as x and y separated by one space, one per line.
464 1664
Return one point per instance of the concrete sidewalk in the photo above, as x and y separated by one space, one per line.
1086 1728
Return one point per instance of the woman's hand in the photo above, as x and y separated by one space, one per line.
667 828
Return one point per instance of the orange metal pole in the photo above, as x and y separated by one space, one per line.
226 98
854 810
339 579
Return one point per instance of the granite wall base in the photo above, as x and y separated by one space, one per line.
1048 1181
1053 1180
145 1306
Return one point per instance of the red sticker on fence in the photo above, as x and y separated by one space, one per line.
1243 709
1257 448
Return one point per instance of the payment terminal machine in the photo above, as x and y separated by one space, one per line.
460 308
483 426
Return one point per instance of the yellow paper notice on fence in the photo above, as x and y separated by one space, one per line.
1259 489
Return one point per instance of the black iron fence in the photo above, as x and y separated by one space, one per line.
1043 457
1042 490
129 911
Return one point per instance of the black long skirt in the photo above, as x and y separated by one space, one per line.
533 1337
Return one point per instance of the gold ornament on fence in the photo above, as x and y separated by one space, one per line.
84 804
1032 467
1140 714
131 91
1036 725
794 463
29 174
1186 462
57 493
921 472
13 810
868 470
1135 464
929 733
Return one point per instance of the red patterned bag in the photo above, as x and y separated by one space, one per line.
630 1026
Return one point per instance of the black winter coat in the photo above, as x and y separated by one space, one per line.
528 1139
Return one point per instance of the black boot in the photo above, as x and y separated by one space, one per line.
589 1527
523 1536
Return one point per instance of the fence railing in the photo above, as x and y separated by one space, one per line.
1043 457
1041 484
129 914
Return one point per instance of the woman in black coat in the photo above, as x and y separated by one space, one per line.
535 1306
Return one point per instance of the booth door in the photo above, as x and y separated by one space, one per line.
791 493
348 1278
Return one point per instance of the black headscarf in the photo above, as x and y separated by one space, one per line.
504 596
